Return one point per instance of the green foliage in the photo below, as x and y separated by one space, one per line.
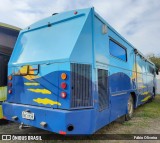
155 60
150 110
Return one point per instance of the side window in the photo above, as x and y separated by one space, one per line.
117 50
150 69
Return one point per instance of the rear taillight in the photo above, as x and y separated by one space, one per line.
63 94
63 85
10 77
10 91
62 132
63 76
10 84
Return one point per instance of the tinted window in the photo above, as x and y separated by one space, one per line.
151 70
117 51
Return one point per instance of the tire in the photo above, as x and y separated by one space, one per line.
130 108
153 96
3 122
154 93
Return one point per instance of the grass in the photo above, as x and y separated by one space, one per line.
145 113
142 118
127 124
149 110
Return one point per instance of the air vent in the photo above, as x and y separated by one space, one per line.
81 85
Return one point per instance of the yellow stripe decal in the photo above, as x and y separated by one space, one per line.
31 77
142 87
145 93
46 101
146 98
30 84
42 91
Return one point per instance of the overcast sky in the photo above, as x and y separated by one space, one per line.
137 20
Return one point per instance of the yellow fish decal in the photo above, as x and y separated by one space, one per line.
42 91
145 93
46 101
31 84
146 98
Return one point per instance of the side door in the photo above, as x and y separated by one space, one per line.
103 96
103 111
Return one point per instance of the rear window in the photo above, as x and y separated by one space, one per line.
47 43
117 51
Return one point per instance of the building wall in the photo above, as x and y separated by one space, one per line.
8 37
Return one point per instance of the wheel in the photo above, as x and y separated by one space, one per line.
153 96
2 122
130 107
154 93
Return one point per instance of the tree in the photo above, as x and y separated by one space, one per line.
155 60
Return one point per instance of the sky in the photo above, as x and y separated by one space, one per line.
138 21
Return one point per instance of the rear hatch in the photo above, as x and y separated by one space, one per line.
42 52
30 84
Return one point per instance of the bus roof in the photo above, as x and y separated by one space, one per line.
9 26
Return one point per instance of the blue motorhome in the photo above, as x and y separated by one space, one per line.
72 73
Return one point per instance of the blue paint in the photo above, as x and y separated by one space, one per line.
57 120
79 39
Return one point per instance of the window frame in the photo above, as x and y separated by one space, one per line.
120 45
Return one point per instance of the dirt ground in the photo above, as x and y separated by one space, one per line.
141 123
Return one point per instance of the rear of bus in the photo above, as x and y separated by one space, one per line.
8 37
50 75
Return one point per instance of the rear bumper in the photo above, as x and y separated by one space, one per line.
57 120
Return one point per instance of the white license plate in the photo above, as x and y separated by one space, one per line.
28 115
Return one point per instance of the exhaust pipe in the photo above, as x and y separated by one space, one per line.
23 126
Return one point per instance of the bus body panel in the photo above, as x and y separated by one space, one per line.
57 120
44 88
99 83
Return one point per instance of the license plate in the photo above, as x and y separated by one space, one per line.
28 115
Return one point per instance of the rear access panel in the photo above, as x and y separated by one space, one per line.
35 85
